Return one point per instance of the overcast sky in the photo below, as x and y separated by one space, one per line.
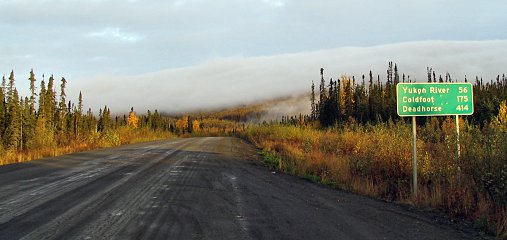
206 53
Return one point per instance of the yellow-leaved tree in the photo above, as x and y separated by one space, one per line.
133 120
182 124
196 126
502 113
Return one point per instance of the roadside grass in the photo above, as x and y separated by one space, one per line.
271 159
376 160
90 141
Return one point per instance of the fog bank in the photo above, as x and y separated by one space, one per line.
237 80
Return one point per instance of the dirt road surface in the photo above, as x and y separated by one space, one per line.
195 188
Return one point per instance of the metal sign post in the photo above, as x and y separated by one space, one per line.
414 156
458 150
433 99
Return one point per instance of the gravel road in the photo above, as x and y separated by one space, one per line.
195 188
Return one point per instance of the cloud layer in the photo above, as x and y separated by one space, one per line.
239 80
85 38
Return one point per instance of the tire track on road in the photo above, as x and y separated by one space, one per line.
120 205
60 210
85 213
43 189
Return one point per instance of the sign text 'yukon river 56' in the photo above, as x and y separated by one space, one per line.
432 99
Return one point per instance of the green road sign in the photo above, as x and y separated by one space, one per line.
433 99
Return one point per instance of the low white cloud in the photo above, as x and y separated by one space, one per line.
116 34
239 80
292 106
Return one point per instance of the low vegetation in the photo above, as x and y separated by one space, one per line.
376 160
120 136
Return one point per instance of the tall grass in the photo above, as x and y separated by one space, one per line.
93 140
377 161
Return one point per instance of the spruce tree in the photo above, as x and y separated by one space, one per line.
29 117
429 70
10 88
107 118
189 124
28 123
349 100
90 122
14 121
41 113
313 106
50 104
78 124
100 123
390 74
322 96
104 123
333 102
338 97
149 119
371 98
3 110
32 80
361 102
11 115
392 94
157 120
62 107
4 88
396 74
328 113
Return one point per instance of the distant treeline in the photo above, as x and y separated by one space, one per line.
371 100
47 119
